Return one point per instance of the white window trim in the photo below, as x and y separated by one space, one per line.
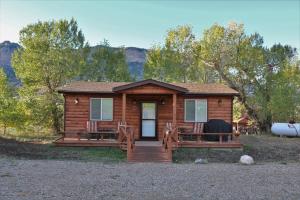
185 100
101 110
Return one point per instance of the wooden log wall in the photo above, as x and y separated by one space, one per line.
218 107
76 115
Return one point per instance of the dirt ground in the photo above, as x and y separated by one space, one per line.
72 180
263 148
275 176
272 148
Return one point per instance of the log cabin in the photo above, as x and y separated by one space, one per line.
145 108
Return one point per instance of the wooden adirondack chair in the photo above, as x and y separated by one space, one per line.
196 131
91 127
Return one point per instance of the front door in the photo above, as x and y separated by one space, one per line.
148 121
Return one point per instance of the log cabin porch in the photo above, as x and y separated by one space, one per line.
149 151
147 107
74 142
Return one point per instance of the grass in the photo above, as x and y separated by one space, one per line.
38 145
27 136
108 154
13 148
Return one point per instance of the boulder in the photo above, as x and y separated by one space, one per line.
201 161
246 160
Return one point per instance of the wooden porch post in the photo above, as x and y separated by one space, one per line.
124 107
174 108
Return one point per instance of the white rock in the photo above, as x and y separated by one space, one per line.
201 161
246 160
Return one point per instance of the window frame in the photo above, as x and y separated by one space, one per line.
101 118
185 110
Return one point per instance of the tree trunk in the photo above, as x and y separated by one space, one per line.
184 75
265 126
55 119
55 115
54 110
4 129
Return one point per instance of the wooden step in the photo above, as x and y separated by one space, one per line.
149 154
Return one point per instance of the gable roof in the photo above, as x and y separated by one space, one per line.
112 87
89 87
152 82
208 88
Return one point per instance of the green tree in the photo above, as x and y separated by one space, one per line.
107 64
247 66
175 59
266 78
10 115
179 43
52 54
158 65
238 109
285 99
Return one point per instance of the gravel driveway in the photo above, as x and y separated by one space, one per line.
50 179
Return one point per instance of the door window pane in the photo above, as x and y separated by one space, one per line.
148 128
95 109
107 109
190 110
148 110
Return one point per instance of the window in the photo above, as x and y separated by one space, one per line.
101 109
107 109
195 110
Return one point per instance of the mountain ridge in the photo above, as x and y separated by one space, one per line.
135 58
6 50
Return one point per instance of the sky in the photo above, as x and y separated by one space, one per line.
144 23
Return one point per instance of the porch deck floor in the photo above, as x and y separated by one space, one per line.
114 143
86 143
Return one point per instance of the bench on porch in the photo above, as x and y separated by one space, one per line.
93 132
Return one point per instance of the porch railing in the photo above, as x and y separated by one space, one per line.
222 137
126 138
170 139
